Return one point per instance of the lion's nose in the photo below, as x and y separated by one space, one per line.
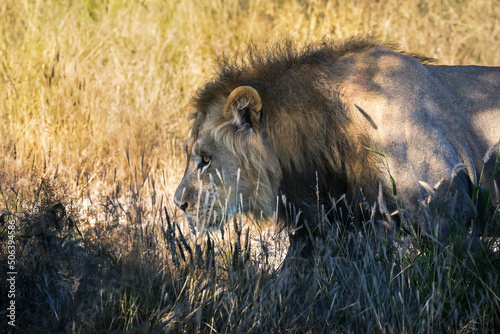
180 198
182 205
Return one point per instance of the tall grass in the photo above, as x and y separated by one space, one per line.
94 97
81 81
127 265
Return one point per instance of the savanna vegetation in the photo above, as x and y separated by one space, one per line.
94 99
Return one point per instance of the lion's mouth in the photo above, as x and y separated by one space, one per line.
203 220
213 213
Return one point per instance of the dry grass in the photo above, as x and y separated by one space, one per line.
94 96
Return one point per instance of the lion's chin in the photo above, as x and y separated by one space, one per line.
212 220
215 217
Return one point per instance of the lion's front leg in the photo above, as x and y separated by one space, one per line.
451 209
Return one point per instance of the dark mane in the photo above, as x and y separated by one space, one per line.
262 66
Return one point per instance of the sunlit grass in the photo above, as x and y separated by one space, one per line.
81 81
94 97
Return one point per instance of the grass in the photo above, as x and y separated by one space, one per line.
94 100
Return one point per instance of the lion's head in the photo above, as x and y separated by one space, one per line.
228 168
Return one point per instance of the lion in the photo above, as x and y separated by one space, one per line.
285 130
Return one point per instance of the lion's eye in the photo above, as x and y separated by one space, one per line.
202 162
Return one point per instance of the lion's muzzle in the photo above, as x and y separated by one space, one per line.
179 198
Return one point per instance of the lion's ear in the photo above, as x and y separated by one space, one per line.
244 105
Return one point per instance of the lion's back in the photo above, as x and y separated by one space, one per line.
425 119
478 88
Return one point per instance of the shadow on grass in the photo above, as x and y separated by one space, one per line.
129 265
